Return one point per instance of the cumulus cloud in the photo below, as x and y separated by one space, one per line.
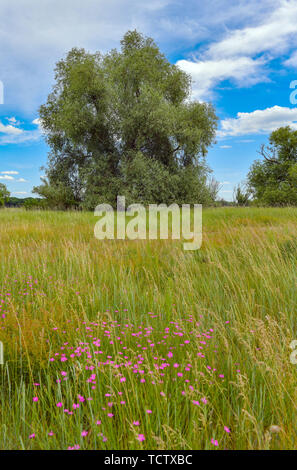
15 135
242 54
10 134
274 34
9 129
6 177
208 73
259 121
34 36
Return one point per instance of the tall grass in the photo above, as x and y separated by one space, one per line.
201 339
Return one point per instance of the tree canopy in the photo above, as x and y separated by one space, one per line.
273 180
123 123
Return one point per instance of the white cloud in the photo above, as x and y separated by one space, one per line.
241 56
20 138
225 182
225 146
21 180
274 34
208 73
6 177
20 192
9 129
35 35
10 134
14 135
9 172
259 121
13 121
292 61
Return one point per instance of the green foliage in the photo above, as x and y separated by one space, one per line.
241 195
4 194
273 181
150 181
111 114
58 195
31 203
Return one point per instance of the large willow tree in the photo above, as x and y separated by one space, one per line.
123 123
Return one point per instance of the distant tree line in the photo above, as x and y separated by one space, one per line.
271 181
27 203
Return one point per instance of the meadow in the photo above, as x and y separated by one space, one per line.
142 345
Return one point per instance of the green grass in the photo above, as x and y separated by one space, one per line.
233 302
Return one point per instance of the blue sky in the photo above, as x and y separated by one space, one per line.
242 56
